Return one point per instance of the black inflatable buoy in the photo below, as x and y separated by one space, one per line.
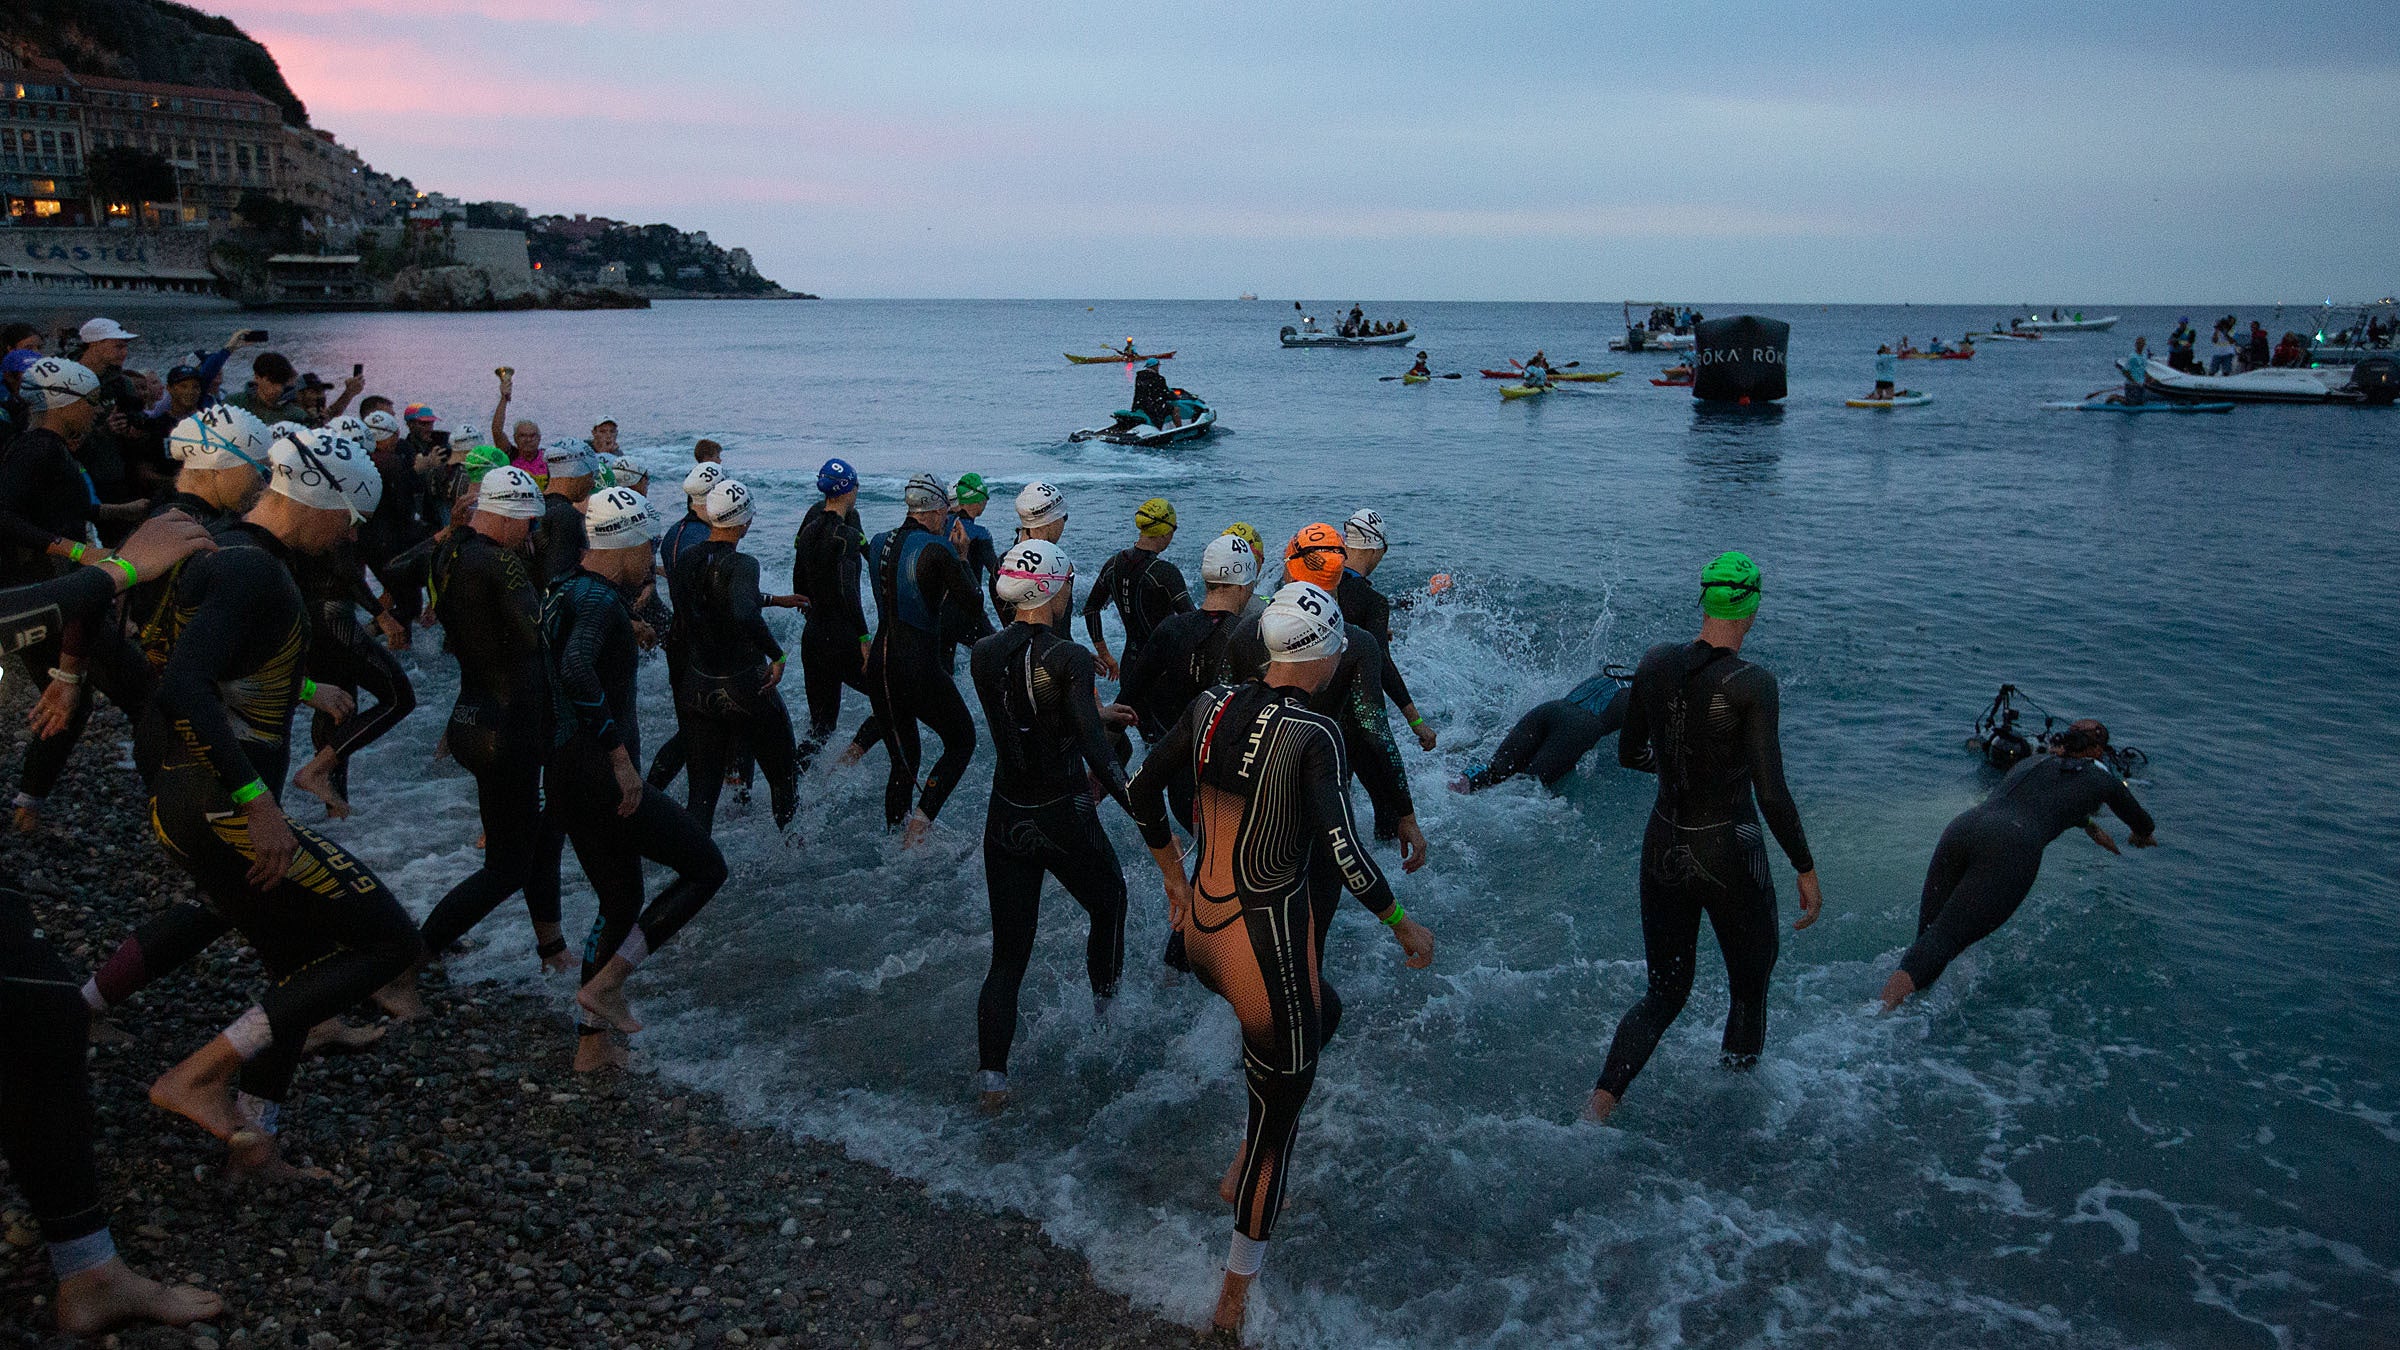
2378 378
1739 360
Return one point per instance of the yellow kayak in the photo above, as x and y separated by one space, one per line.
1523 390
1585 376
1414 379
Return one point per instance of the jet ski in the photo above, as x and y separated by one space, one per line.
1130 427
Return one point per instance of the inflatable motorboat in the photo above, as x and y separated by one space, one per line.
2374 381
2034 323
1307 337
1638 339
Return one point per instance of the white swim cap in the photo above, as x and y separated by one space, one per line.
384 426
317 469
365 485
728 505
1229 561
55 382
926 493
626 470
355 429
1364 529
510 493
1034 572
620 518
1041 504
1302 623
220 436
702 477
570 459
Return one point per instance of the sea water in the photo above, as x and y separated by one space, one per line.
2157 1109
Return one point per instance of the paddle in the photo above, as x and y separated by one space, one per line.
1387 379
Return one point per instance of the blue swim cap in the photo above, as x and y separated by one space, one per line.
836 477
1151 364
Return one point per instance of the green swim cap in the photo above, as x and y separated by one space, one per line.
1729 586
970 490
482 460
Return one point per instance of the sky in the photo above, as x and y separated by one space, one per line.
1793 152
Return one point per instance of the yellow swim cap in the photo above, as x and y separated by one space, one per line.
1241 530
1155 517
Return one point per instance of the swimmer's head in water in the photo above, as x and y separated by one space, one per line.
2084 737
1729 586
1316 555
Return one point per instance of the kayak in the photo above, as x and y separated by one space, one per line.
1415 379
2010 337
2095 405
1131 428
1523 390
1672 384
1937 356
1119 359
1907 398
1586 376
1293 337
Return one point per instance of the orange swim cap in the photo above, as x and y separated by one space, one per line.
1316 555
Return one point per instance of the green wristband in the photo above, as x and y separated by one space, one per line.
132 577
1399 912
249 792
308 689
74 553
1415 722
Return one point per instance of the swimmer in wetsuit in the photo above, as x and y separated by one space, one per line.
1987 860
500 727
558 541
732 663
1269 793
1551 740
1049 749
342 656
668 762
597 798
924 605
213 746
1144 587
1363 546
1704 721
827 556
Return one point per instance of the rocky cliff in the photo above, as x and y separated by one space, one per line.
149 40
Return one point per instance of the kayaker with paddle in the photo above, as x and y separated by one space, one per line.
1420 369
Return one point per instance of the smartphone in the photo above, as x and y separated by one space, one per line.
254 335
357 369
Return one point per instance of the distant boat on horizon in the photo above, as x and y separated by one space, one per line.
1249 295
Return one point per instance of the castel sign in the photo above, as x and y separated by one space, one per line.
133 251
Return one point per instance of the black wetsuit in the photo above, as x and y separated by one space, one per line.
1354 701
230 648
1270 795
500 730
1988 857
827 555
1365 606
1146 589
1036 689
1549 741
679 537
924 605
724 699
1152 397
397 526
558 541
1184 656
1705 721
589 627
344 655
44 496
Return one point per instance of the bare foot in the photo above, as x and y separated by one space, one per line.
1599 1108
316 779
992 1103
399 999
1232 1300
919 826
336 1034
594 1054
200 1089
112 1294
253 1155
1233 1178
479 843
28 820
604 996
1897 988
560 960
851 754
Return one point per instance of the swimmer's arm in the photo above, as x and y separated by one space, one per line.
579 678
207 652
1634 750
1103 586
1322 773
1083 704
853 562
30 613
1762 726
747 615
2120 800
1147 793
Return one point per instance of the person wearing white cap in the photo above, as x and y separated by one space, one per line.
925 604
492 614
397 524
221 452
216 738
1270 791
627 472
615 820
1041 513
341 654
733 664
604 439
558 541
1363 545
1037 692
46 514
1183 658
673 542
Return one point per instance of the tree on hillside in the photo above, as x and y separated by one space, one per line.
124 176
153 40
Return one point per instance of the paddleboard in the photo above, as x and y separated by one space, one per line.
1912 399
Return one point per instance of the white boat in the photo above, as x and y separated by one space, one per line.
1306 337
2035 323
2273 384
1643 340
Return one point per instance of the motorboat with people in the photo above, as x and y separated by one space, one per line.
2006 335
2064 322
2373 331
2375 381
1355 330
1667 328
